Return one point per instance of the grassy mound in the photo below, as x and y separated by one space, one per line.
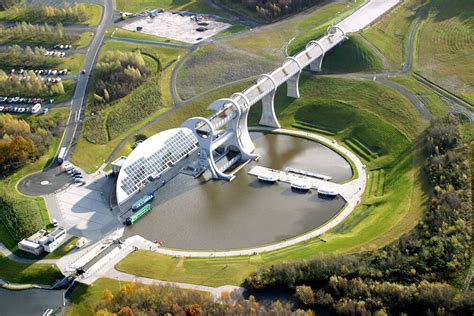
351 56
447 46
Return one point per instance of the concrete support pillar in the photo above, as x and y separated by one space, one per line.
316 65
269 117
293 86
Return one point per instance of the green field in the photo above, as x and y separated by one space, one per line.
84 40
149 90
393 202
390 34
446 47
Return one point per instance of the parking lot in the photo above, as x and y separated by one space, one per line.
178 26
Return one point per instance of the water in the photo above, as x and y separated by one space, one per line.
29 302
200 214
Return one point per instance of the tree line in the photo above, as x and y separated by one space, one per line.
27 57
71 14
273 9
138 299
119 73
412 275
32 86
22 142
44 34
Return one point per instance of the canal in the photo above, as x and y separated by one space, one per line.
202 214
29 302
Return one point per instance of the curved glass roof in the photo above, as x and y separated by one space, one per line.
151 158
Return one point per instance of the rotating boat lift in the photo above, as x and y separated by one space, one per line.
225 133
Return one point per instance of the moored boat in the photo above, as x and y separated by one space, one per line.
328 192
300 185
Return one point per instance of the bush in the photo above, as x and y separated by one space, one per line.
94 129
135 108
21 217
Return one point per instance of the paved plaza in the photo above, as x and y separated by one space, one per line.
178 27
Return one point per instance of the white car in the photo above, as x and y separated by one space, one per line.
55 222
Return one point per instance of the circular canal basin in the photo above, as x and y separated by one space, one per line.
202 214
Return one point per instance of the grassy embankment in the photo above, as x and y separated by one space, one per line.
21 273
393 201
390 34
430 99
137 6
255 52
156 87
446 47
17 13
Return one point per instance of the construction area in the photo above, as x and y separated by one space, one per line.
179 26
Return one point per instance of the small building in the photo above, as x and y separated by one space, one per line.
43 241
30 247
55 239
117 164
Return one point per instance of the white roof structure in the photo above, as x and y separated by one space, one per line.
151 158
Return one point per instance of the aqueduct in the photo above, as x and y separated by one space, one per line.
226 131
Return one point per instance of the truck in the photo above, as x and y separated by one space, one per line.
62 155
137 215
144 200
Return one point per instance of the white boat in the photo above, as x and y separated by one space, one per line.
300 185
269 178
327 192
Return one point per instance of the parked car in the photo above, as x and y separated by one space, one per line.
82 181
45 110
55 222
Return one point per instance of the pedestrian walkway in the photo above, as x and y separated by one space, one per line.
7 253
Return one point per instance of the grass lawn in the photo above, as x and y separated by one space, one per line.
73 63
391 208
431 99
167 57
390 34
119 32
16 13
446 47
137 6
14 272
84 40
85 297
9 184
237 28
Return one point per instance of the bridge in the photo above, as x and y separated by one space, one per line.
225 133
